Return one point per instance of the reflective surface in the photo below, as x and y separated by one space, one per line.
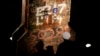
78 23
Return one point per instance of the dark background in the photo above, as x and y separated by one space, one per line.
83 21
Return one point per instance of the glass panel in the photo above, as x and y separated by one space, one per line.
47 25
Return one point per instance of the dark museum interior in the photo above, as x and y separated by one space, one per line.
83 15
